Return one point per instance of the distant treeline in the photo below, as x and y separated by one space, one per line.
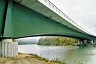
25 42
62 41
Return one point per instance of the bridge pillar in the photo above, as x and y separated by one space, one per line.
92 41
8 48
79 42
85 42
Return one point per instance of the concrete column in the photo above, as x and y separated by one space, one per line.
8 48
3 49
0 49
85 41
92 41
79 42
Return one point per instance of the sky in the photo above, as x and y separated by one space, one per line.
30 39
83 12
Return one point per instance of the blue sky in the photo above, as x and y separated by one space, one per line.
83 12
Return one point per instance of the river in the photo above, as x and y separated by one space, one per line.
67 54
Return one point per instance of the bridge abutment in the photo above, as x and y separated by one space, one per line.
8 48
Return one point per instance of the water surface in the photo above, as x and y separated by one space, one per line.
67 54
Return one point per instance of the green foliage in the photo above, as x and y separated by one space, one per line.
59 41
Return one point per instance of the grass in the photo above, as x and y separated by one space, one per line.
28 59
46 60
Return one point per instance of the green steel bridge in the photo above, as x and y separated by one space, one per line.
26 18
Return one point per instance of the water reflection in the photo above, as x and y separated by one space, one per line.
68 54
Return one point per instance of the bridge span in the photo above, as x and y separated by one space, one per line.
24 18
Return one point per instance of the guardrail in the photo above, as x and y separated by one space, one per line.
60 12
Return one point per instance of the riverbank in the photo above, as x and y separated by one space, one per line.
27 59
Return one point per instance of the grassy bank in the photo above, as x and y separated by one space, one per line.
27 59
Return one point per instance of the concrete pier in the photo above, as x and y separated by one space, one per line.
92 41
8 48
79 42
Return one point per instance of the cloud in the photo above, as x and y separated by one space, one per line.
82 12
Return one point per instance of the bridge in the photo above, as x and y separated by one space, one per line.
27 18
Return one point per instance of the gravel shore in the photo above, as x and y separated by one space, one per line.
26 59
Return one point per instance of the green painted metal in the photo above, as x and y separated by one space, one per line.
28 22
2 7
22 21
8 29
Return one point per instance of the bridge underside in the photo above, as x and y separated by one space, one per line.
21 21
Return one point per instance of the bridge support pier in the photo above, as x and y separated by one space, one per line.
92 41
79 42
8 48
82 43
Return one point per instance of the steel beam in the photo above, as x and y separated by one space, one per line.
8 27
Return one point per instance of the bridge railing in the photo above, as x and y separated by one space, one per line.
63 14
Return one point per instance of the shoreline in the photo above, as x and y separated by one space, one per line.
23 58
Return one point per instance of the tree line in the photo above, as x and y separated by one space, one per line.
59 41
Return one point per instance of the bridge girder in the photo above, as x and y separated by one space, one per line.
21 21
